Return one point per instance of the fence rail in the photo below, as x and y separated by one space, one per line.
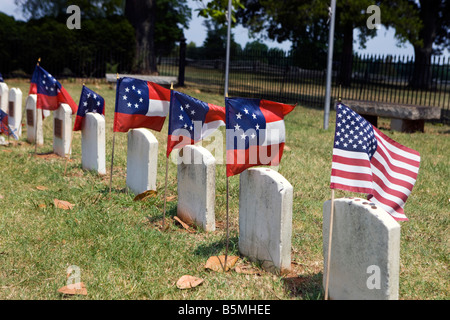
276 75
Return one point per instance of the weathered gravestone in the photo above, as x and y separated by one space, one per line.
365 251
196 178
4 96
142 160
265 218
15 111
62 130
93 143
35 133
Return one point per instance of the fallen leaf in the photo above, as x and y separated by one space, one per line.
216 263
286 148
42 188
171 198
188 282
74 289
183 224
63 204
1 197
145 195
247 270
42 205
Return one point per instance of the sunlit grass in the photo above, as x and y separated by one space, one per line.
123 255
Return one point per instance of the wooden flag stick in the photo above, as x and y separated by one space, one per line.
330 236
165 182
35 120
165 194
228 235
70 152
112 163
330 232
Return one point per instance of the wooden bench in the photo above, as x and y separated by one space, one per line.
165 81
404 118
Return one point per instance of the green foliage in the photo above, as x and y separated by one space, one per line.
217 10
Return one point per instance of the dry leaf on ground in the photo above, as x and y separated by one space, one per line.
216 263
188 282
145 195
183 224
171 198
61 204
73 289
42 188
244 269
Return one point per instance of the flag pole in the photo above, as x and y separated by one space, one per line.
330 235
70 147
227 68
329 64
330 232
165 183
35 119
112 155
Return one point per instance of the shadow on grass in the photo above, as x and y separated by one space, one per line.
308 287
217 248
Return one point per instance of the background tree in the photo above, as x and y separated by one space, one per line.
431 38
158 23
305 24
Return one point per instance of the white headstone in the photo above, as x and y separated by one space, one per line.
196 177
4 96
15 111
365 251
142 160
265 218
34 123
62 130
93 143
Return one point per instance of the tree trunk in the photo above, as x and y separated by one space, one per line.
345 75
142 16
429 14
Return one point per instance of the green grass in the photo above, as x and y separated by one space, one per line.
123 255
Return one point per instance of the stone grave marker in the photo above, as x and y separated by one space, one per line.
15 111
265 218
196 176
33 121
4 96
365 251
142 160
93 143
62 130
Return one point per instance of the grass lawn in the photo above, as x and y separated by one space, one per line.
123 255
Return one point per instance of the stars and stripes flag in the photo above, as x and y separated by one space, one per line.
50 93
140 104
4 126
255 133
367 161
90 101
191 120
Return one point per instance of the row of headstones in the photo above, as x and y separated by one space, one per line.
365 241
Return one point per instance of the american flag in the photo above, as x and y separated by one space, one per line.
367 161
